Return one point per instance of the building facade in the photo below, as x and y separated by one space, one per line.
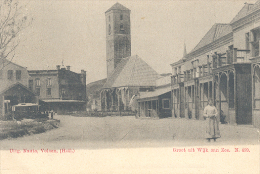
224 66
157 103
14 86
62 89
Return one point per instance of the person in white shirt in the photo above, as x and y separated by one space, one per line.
212 128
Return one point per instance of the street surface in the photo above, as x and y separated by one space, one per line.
122 132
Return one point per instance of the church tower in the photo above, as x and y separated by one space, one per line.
118 35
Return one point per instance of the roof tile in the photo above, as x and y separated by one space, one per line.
132 71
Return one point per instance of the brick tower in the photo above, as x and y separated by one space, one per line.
118 35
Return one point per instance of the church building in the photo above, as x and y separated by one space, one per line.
126 75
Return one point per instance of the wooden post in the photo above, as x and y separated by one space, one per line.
118 100
3 106
219 97
112 100
208 64
202 96
179 100
235 94
124 91
213 90
228 92
128 102
105 100
208 90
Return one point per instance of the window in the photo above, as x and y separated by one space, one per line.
109 29
38 91
109 18
179 70
63 91
49 82
247 41
121 17
38 82
121 27
10 74
166 103
31 84
18 74
254 40
48 91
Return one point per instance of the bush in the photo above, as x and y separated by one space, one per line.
8 116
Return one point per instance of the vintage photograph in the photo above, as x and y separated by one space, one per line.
81 76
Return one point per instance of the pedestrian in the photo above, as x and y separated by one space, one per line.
51 114
212 127
134 105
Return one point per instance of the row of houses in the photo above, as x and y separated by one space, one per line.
224 66
60 90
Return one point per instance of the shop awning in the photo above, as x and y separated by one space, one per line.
63 101
144 96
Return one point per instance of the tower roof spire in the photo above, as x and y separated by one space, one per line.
117 6
184 51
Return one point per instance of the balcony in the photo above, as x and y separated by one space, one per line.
175 79
230 57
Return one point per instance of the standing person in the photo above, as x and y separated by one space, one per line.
51 114
212 128
134 104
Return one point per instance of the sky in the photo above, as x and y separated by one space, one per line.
73 31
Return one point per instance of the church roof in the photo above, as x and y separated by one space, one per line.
217 31
118 6
132 71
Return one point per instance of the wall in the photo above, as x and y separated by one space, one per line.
244 94
256 118
165 112
43 84
74 85
118 42
5 82
239 34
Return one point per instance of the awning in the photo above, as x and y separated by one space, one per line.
63 101
154 94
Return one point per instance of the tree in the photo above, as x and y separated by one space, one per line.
12 21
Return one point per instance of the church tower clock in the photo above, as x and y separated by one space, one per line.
118 36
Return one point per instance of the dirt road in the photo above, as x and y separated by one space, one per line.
113 132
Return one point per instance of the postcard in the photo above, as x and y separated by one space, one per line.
129 86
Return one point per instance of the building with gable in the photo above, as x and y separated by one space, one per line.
126 75
14 86
224 66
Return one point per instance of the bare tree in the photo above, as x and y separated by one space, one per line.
12 21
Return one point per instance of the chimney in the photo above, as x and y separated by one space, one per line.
68 68
58 67
83 72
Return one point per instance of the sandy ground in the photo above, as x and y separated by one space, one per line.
116 132
116 145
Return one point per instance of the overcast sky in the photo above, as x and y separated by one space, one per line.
74 31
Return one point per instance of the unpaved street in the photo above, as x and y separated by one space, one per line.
113 132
